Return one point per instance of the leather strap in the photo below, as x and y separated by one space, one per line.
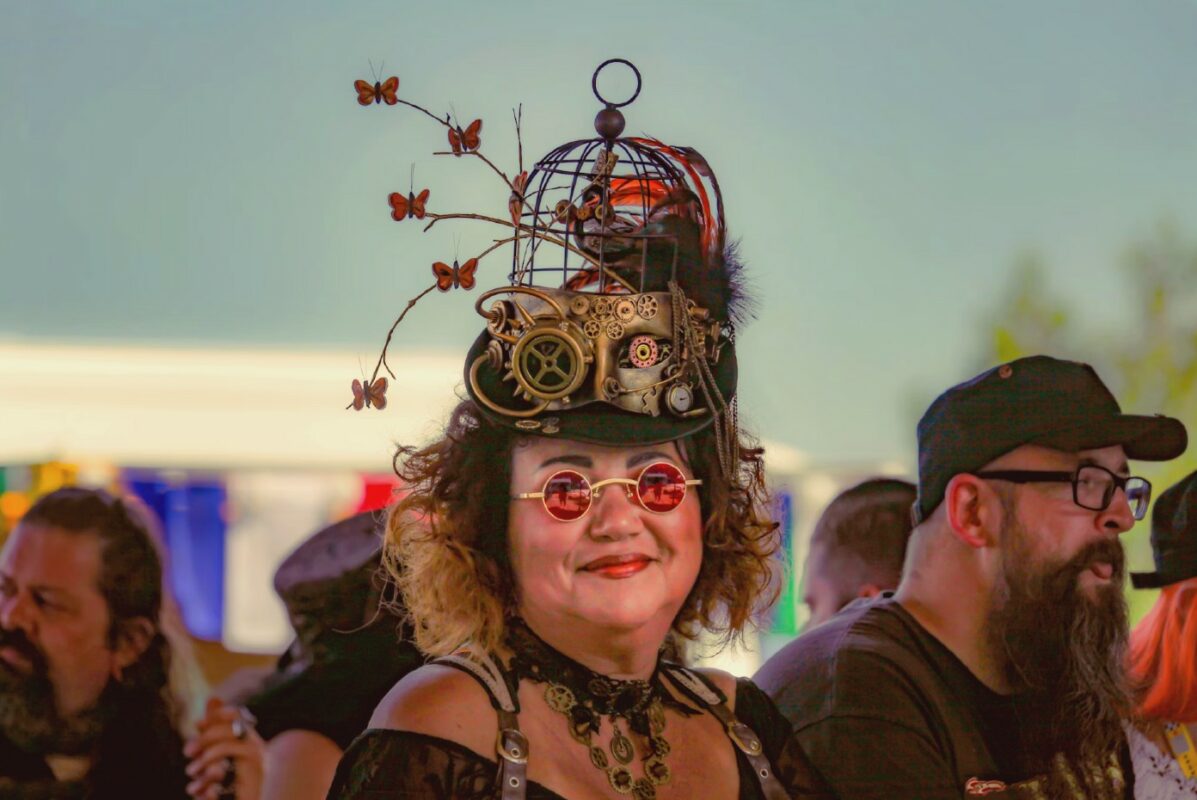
510 744
743 737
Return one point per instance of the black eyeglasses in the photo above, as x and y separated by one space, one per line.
1093 487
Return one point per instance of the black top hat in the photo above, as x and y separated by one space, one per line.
348 651
1173 537
1033 400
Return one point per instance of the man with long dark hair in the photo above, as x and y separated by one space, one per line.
87 707
997 668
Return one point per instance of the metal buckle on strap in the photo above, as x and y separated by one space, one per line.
1183 748
744 738
517 752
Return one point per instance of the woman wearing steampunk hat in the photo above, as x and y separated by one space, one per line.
590 499
1163 654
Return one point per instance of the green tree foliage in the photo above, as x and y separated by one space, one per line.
1150 365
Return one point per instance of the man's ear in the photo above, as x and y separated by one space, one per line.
869 590
133 637
970 509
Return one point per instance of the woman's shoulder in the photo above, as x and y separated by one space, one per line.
725 682
441 701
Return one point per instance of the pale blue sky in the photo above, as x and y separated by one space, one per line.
195 172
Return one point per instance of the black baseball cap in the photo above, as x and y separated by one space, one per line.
1173 537
1034 400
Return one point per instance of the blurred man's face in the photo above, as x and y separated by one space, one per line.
822 594
55 653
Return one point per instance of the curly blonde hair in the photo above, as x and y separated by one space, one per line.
446 547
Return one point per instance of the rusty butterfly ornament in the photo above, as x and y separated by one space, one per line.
407 207
464 141
455 276
379 92
369 394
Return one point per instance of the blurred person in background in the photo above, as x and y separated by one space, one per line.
998 668
858 546
91 698
1163 654
350 648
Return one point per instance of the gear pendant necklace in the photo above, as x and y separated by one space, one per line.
583 697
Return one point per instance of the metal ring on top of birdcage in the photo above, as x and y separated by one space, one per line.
594 82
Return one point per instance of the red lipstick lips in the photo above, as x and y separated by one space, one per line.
620 566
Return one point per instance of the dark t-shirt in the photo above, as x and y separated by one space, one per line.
335 693
884 710
24 775
129 772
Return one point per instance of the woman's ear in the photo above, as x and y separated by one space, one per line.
970 505
133 637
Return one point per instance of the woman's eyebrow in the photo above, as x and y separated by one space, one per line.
650 456
573 460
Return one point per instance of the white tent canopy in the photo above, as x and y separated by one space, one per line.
212 408
224 408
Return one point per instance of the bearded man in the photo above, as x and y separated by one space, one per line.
997 668
86 703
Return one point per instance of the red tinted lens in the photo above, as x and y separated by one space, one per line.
661 487
567 495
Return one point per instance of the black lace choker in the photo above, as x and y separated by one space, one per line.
584 697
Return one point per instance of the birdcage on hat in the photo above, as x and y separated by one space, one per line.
596 209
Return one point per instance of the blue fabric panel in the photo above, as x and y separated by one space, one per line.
191 511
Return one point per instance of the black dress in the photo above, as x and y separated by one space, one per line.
383 763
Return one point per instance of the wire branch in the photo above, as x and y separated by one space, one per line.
421 109
518 115
484 159
506 223
382 358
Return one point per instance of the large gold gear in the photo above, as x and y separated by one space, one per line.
548 363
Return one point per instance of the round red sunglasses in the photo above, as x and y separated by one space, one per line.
568 495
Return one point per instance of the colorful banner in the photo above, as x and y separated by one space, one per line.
192 514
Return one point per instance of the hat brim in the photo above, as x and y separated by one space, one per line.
1156 438
598 422
1157 580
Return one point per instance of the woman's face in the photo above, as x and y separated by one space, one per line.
617 566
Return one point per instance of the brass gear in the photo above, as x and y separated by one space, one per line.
579 305
496 320
647 306
548 363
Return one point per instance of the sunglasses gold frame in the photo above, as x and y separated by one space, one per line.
595 488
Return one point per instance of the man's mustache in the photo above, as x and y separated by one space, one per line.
1107 550
18 641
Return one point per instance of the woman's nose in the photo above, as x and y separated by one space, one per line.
615 513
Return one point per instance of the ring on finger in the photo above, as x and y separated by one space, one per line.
242 723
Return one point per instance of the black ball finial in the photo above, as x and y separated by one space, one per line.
609 123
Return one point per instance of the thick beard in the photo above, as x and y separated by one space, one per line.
1064 652
29 720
